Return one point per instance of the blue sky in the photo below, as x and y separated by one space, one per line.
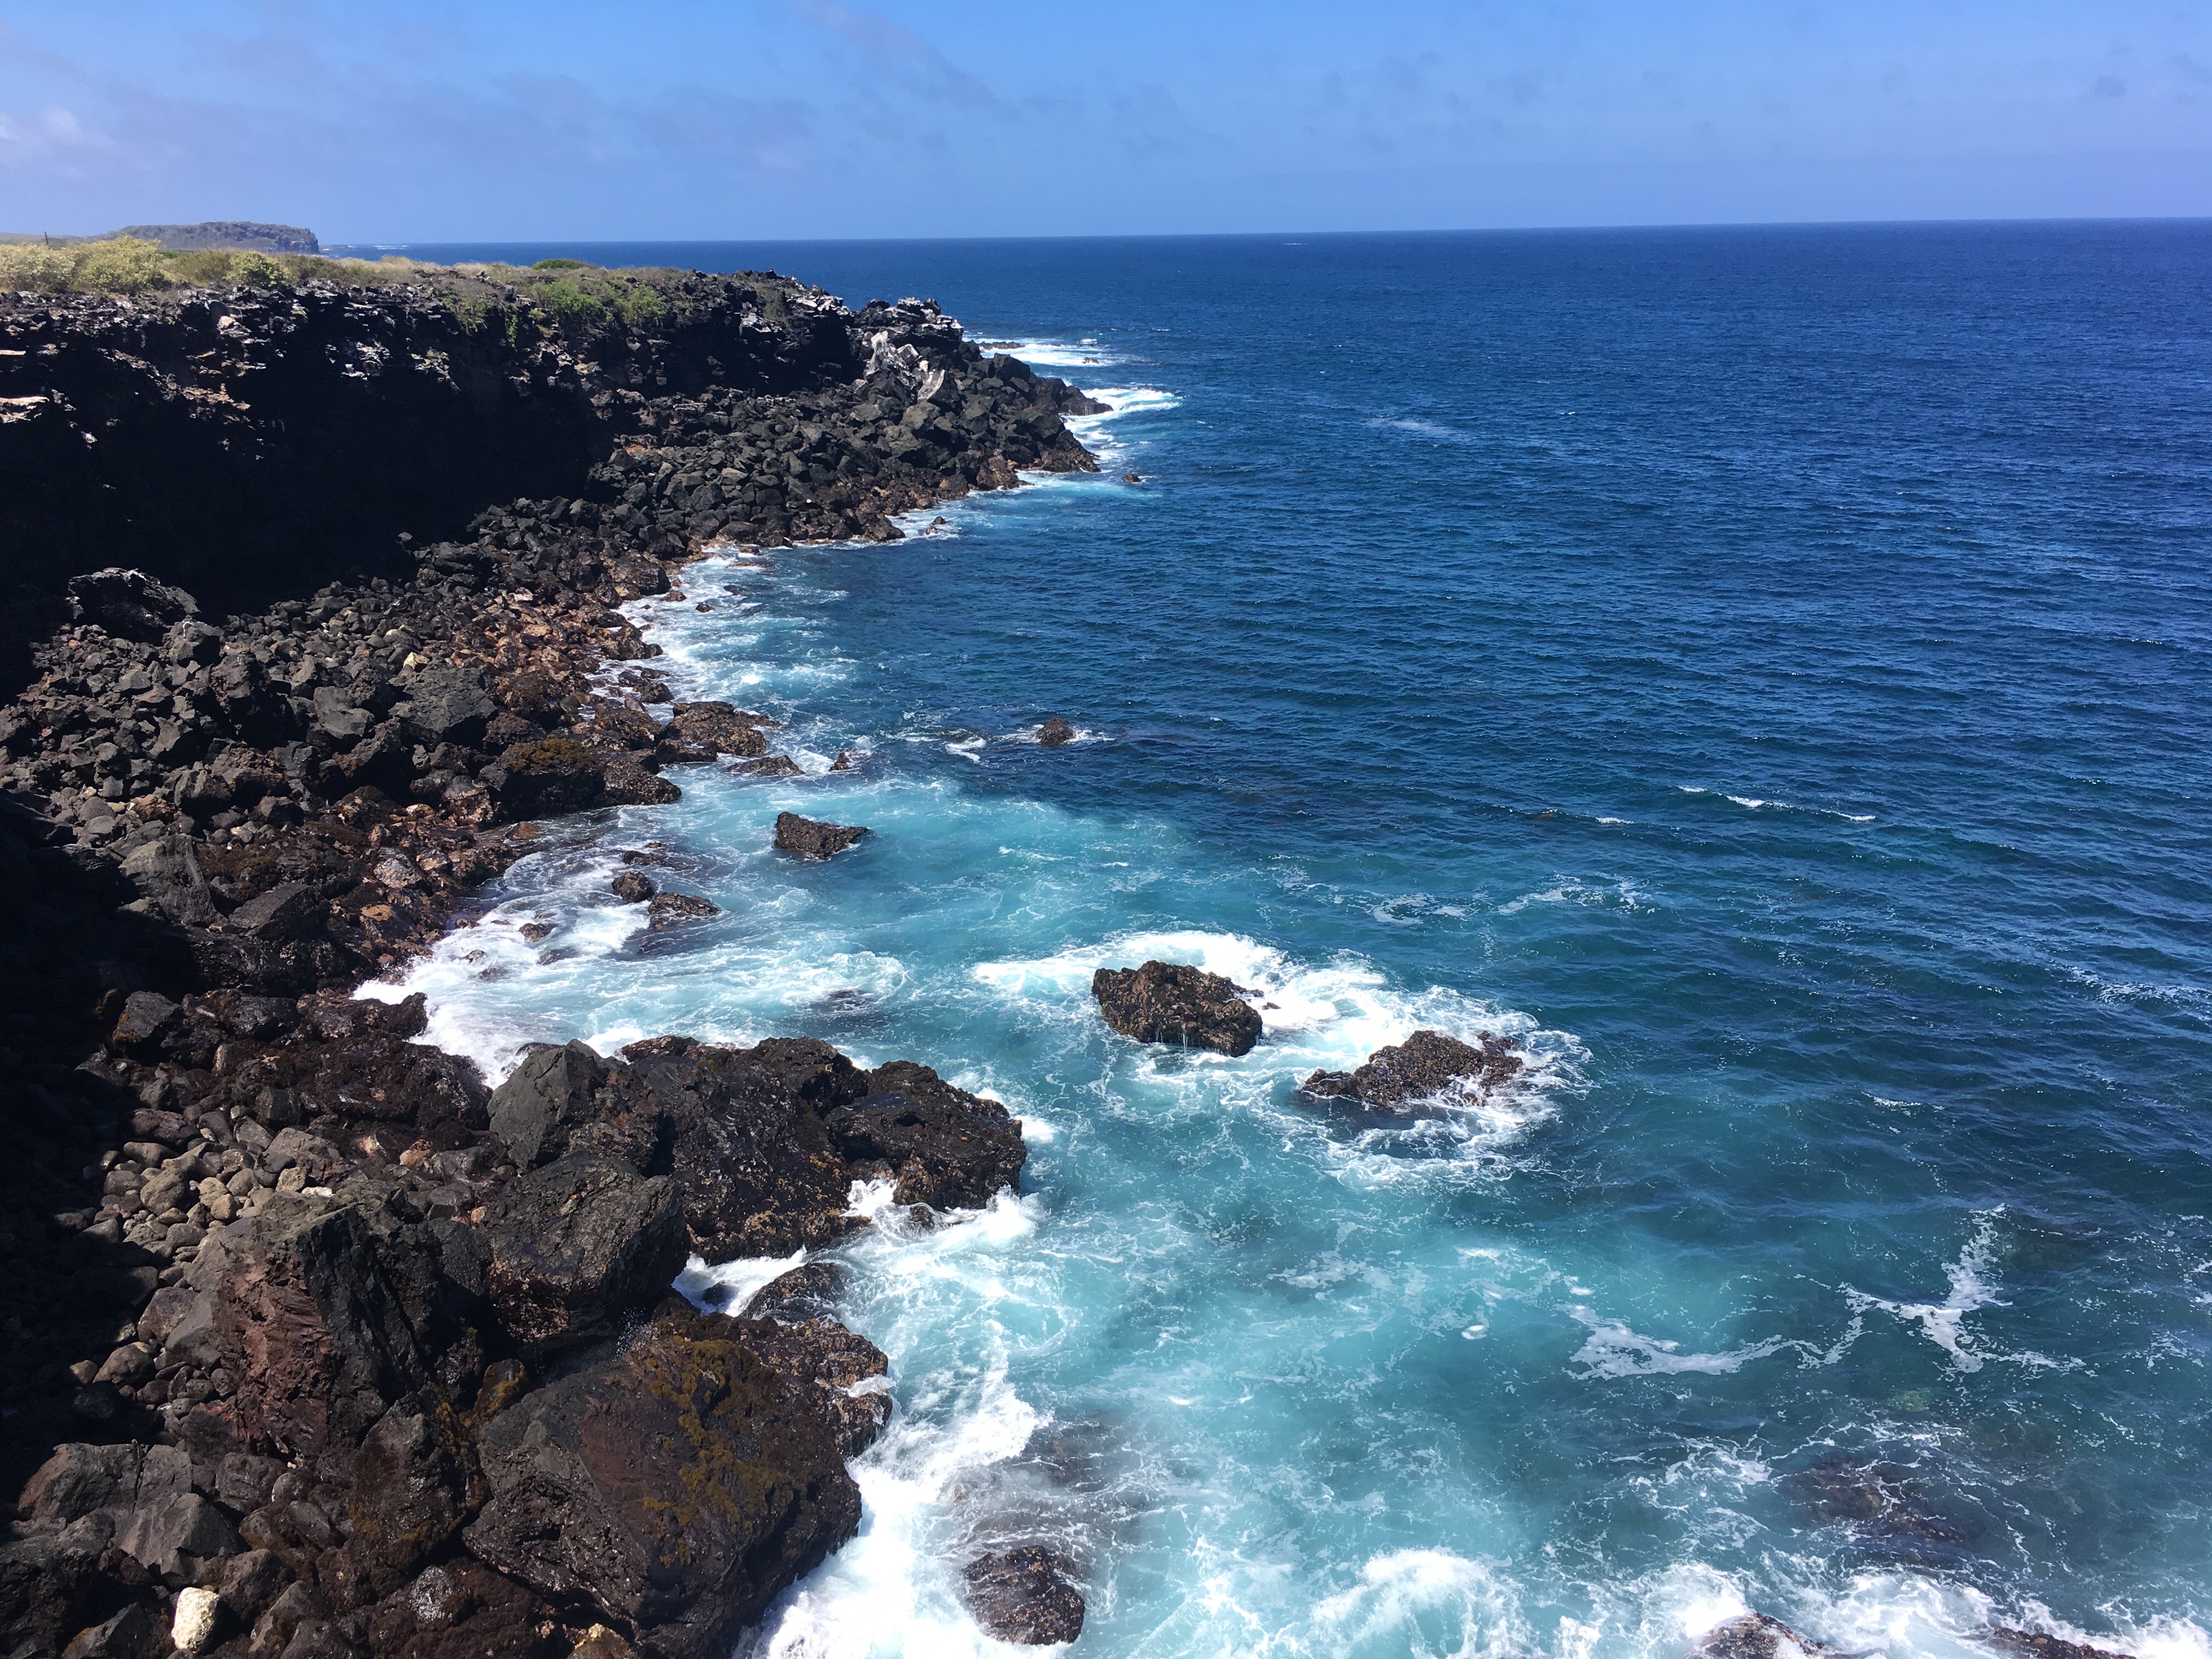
761 118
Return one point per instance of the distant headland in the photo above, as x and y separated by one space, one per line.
234 235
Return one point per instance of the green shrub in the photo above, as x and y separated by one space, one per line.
32 265
558 264
640 307
121 264
570 306
213 267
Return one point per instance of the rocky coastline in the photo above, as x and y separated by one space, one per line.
322 1347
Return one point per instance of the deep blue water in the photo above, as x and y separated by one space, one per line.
1765 670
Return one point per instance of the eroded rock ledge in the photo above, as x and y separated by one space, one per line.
303 1314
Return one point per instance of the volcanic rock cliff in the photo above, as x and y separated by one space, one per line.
320 1347
250 443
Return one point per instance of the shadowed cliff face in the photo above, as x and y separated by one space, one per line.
248 443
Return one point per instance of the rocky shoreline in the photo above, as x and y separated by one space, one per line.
323 1347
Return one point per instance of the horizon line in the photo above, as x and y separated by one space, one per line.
1223 235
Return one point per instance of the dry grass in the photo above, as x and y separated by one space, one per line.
580 299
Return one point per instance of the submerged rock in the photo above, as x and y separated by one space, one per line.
1755 1636
1425 1064
808 839
1054 732
1875 1500
1025 1595
772 766
1174 1003
673 909
2032 1644
674 1482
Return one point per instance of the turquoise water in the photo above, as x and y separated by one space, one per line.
1765 672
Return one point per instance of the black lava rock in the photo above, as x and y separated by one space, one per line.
1423 1066
807 839
1025 1595
1174 1003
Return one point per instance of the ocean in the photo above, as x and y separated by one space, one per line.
1764 671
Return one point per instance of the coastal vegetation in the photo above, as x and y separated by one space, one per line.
580 298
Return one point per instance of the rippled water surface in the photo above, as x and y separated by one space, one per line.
1764 671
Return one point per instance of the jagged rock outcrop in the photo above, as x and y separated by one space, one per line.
1175 1003
763 1144
1425 1066
807 838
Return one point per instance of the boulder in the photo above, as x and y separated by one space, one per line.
622 723
415 1486
768 1141
1053 733
462 1609
844 1375
631 888
752 1164
771 766
77 1480
170 1539
807 839
321 1306
554 1092
629 781
243 1482
1173 1002
247 1583
445 705
133 1634
1025 1595
544 779
675 1482
337 715
1423 1066
289 911
191 641
364 1067
129 604
167 874
806 1293
51 1584
192 1623
578 1247
383 760
146 1017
